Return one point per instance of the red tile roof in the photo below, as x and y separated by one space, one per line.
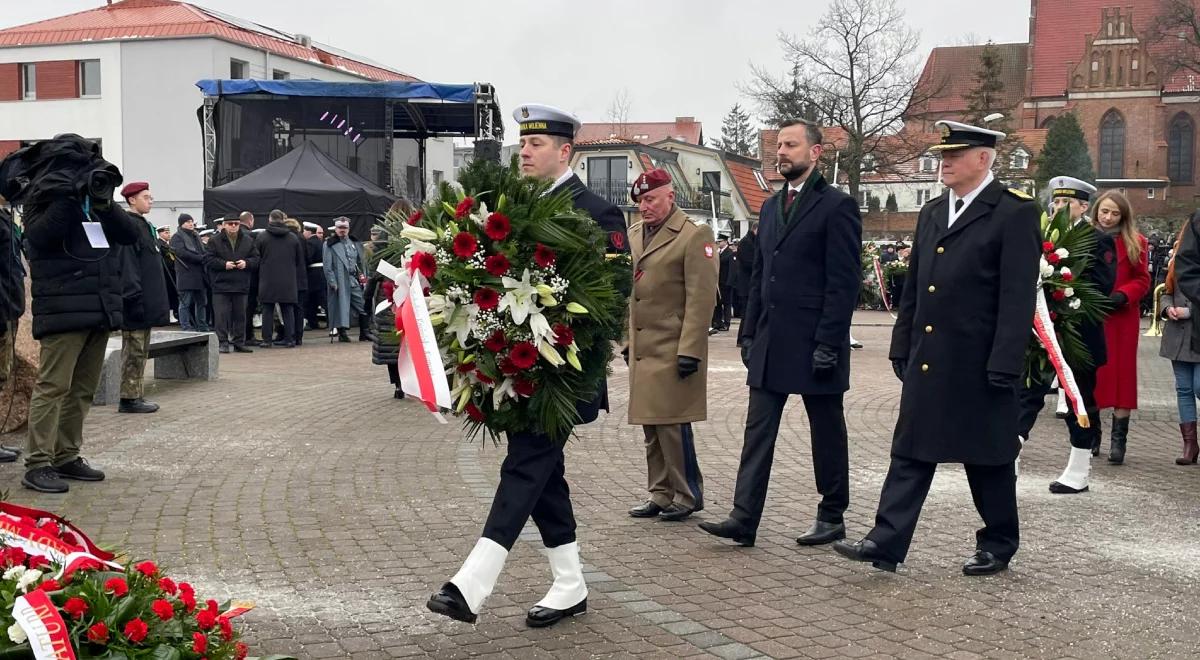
686 129
1033 139
158 19
747 184
1060 36
949 75
605 141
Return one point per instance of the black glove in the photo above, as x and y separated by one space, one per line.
1118 299
1002 381
625 355
825 359
687 365
900 366
746 344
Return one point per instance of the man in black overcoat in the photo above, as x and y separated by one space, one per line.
795 337
532 478
1101 272
726 278
958 346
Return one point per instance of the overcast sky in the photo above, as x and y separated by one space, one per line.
674 57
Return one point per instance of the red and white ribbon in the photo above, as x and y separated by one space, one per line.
44 626
1043 327
70 533
887 304
422 374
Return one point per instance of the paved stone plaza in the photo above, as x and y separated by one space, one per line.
297 481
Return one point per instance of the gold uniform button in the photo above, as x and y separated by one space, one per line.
928 329
932 288
941 250
924 367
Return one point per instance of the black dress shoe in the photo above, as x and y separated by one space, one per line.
44 480
865 551
984 563
225 349
540 617
730 529
7 456
1059 488
242 349
138 405
647 509
79 470
675 513
823 532
449 602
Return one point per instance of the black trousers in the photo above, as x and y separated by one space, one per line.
298 311
829 455
1033 398
230 312
993 488
286 314
252 307
532 484
316 296
723 312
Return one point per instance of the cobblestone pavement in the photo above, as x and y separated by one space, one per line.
298 482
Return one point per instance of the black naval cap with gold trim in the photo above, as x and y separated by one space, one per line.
538 119
956 135
1069 186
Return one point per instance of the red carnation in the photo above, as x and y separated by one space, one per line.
543 256
117 586
424 262
185 588
226 628
466 367
147 568
1053 316
464 207
49 585
76 607
497 226
523 355
136 630
14 556
484 378
523 387
240 650
50 527
464 245
415 217
199 642
475 413
508 368
36 561
496 342
188 600
1047 247
163 609
1059 295
497 265
1053 259
487 298
563 334
98 633
211 606
206 619
168 585
1067 277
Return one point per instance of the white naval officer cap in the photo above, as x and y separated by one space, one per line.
1069 186
957 135
312 225
538 119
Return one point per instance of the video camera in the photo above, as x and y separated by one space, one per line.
67 166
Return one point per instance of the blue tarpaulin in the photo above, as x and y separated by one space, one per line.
366 90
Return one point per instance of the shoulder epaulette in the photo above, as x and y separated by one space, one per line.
1018 193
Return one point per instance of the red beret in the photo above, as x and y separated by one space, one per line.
134 188
655 178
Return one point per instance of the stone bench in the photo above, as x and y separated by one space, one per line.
177 355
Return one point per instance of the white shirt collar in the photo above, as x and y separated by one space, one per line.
562 179
970 197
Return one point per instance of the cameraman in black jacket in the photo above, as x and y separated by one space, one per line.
76 285
12 301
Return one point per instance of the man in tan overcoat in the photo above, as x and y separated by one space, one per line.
674 290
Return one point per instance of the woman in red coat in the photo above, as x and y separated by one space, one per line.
1116 381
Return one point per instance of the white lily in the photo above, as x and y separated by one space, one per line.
539 326
415 233
1075 303
460 322
27 579
503 389
14 573
418 246
436 303
480 215
519 298
550 353
576 308
573 357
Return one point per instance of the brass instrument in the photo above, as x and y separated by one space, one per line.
1156 315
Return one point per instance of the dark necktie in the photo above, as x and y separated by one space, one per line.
791 197
958 206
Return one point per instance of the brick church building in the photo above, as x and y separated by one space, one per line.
1101 61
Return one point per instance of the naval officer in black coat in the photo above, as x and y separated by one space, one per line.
532 481
795 337
958 346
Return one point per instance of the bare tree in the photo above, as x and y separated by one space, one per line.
618 113
1178 25
857 71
